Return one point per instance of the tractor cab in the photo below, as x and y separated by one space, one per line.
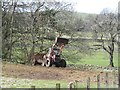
54 53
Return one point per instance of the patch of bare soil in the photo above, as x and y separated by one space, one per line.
51 73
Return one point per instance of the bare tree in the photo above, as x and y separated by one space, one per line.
43 16
32 24
8 9
105 29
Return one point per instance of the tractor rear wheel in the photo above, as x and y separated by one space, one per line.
63 63
57 64
48 63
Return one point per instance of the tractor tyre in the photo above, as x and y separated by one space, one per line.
48 63
57 64
63 63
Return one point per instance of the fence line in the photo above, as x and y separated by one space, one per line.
74 85
32 87
107 85
57 86
98 81
88 83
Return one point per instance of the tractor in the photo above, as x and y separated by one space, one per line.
53 57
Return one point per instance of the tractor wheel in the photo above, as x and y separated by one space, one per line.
63 63
57 64
48 63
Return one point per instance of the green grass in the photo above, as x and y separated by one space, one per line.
27 83
8 82
49 83
99 58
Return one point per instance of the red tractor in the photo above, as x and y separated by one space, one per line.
53 57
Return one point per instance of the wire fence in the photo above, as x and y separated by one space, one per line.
105 81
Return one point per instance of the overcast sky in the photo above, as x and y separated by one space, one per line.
89 6
94 6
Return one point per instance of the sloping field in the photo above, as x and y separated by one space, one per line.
51 74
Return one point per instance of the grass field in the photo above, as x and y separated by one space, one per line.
8 82
99 58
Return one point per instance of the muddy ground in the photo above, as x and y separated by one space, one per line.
51 73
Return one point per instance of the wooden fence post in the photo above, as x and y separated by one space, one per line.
32 87
88 83
57 86
70 86
76 84
114 79
98 81
118 80
107 80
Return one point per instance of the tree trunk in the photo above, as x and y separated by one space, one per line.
31 51
111 60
